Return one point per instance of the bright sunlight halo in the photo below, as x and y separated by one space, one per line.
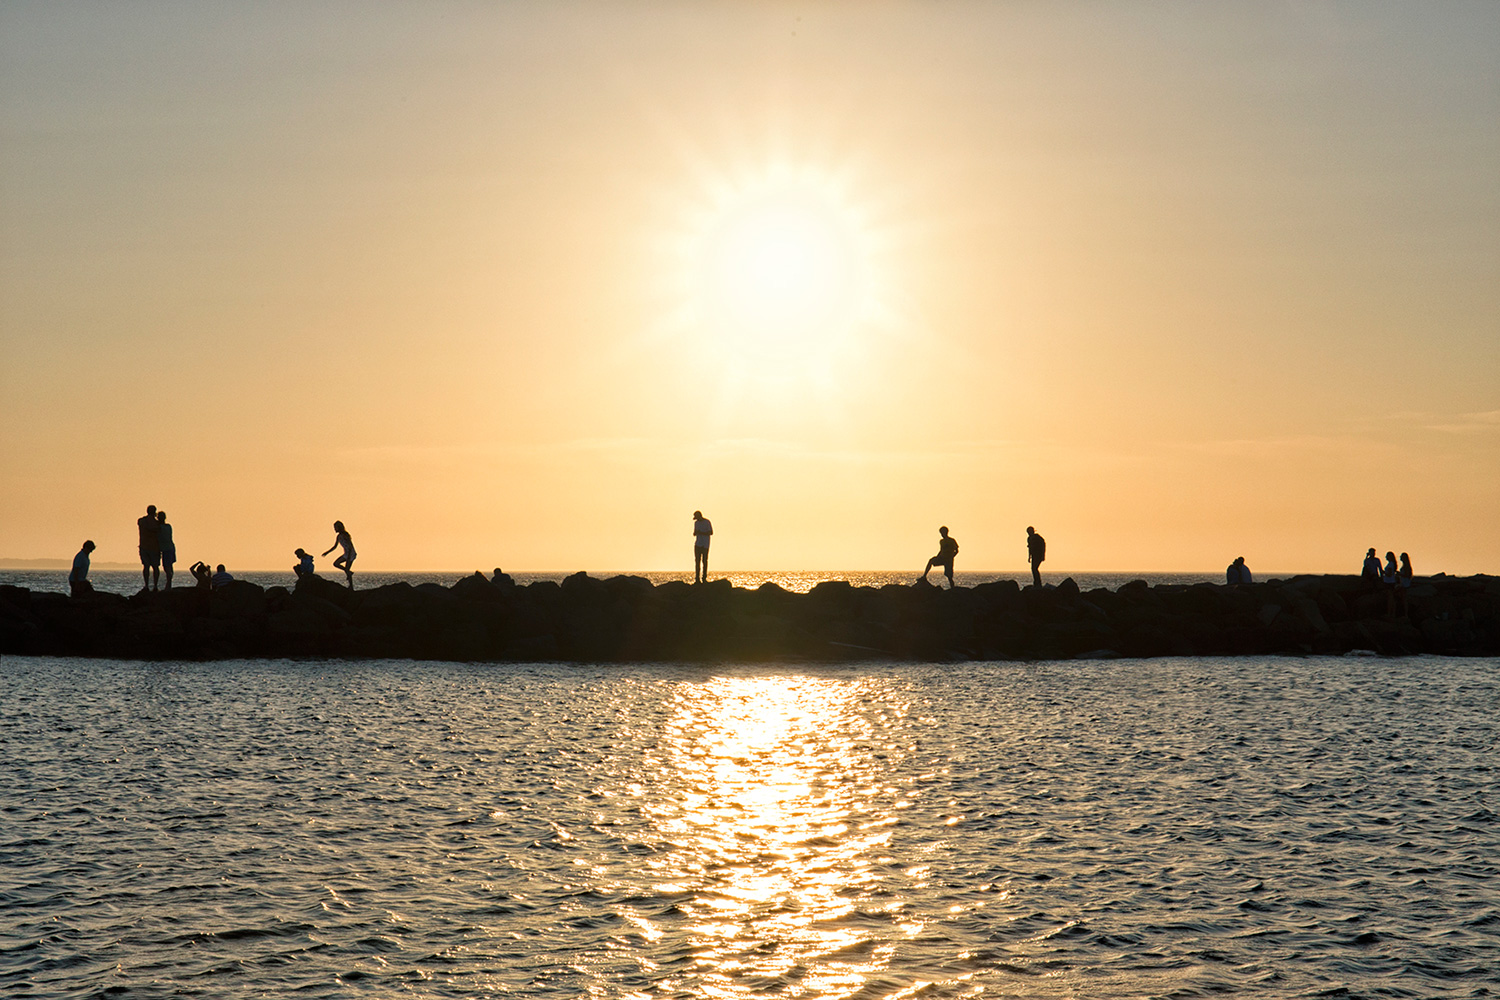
779 269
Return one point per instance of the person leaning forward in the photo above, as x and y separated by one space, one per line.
703 531
1036 551
78 576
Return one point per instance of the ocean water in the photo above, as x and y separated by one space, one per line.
116 581
1307 827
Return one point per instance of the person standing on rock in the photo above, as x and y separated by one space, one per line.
150 529
345 561
168 548
1370 573
947 549
1036 551
1390 577
703 530
78 576
1405 584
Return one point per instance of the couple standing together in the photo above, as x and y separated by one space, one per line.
158 553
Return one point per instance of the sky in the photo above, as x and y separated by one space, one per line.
525 284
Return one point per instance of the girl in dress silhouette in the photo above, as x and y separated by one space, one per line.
345 561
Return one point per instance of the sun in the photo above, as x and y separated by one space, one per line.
777 271
782 269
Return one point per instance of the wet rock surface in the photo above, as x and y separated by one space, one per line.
624 618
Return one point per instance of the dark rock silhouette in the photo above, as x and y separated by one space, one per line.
624 618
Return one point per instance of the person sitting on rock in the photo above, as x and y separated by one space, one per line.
1239 572
1036 551
502 579
1371 571
304 565
221 577
947 549
345 560
78 576
202 574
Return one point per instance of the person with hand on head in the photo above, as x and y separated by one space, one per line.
203 576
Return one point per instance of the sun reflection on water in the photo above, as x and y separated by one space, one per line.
777 799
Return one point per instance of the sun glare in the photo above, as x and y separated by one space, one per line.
777 273
783 271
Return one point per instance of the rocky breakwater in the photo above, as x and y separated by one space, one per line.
585 619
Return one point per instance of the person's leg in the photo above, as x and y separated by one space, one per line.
927 569
145 572
166 569
948 572
1036 573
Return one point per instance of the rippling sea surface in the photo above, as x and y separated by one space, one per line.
1176 828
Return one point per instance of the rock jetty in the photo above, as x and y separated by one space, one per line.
586 619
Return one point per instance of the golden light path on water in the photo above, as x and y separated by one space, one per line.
775 791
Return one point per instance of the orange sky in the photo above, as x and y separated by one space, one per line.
525 284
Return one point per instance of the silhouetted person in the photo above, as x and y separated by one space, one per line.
203 576
78 576
1238 572
1370 573
221 577
304 565
150 529
947 549
1036 551
1390 576
703 530
345 560
167 547
502 579
1404 579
